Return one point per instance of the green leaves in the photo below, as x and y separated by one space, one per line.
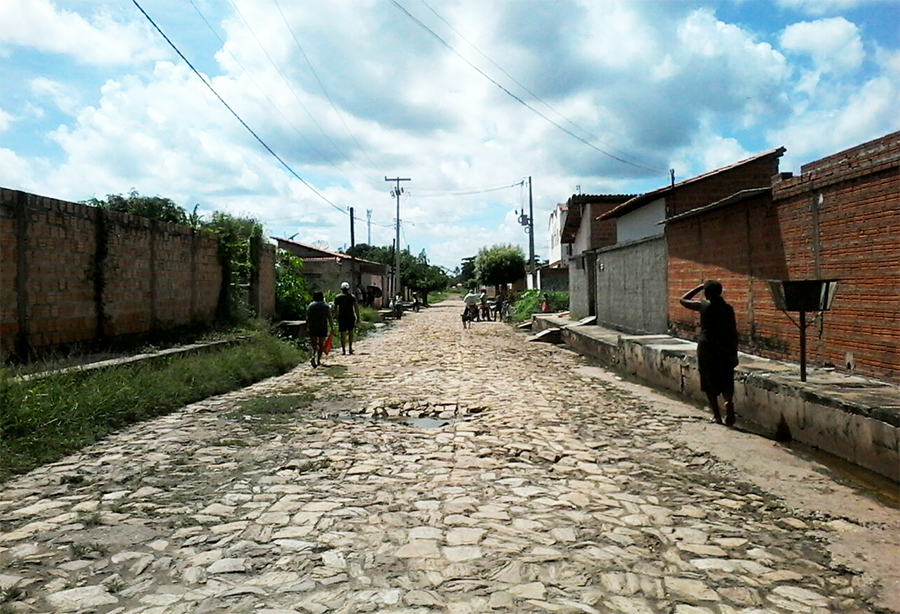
500 264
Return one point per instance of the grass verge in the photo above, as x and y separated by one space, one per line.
43 420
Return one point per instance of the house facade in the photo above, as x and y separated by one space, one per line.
586 232
325 270
634 285
839 219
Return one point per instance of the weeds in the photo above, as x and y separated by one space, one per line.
43 420
84 551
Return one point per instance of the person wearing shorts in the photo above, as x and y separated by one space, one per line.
347 314
318 323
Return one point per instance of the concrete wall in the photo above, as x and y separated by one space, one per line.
578 288
553 280
642 223
856 427
73 273
631 286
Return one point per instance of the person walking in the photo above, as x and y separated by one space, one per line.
717 347
318 324
347 315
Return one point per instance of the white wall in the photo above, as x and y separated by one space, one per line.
642 223
557 217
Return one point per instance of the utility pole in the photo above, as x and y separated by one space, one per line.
369 217
531 237
528 222
397 191
353 282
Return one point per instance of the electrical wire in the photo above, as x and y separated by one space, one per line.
436 194
324 90
536 97
288 84
449 47
253 81
234 113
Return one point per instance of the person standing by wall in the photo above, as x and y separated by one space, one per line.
318 323
717 347
347 314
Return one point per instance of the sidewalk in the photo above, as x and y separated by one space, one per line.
853 417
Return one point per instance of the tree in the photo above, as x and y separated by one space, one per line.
466 274
291 294
152 207
499 265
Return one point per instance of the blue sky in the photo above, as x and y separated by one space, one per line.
93 101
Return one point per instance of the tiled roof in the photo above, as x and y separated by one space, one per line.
326 254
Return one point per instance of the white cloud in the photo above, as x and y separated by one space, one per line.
41 25
834 44
869 113
5 120
821 7
15 172
60 95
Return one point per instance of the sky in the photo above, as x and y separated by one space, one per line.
466 98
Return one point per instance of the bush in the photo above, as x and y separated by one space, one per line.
529 303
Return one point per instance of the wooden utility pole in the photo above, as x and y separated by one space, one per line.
353 282
531 237
397 191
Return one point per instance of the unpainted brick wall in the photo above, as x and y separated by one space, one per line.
266 281
152 274
840 220
757 173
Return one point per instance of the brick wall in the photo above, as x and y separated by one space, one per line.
73 273
840 219
723 183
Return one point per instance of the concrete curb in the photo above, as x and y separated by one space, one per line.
854 418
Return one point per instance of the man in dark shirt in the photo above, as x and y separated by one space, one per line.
717 347
347 314
318 323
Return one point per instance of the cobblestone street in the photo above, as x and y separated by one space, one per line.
437 470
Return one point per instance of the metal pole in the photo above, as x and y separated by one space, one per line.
802 346
531 237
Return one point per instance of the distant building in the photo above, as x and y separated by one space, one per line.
325 270
585 232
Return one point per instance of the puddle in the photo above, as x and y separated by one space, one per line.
426 423
423 422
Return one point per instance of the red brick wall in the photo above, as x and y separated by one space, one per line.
603 232
852 234
724 183
60 254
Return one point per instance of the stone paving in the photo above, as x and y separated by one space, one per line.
437 470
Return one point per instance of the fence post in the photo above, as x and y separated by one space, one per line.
255 264
22 345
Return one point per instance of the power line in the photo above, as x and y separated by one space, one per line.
325 91
536 97
253 81
286 82
435 193
513 96
234 113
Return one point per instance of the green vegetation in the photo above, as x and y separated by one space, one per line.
44 419
529 303
500 265
235 234
415 272
291 294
